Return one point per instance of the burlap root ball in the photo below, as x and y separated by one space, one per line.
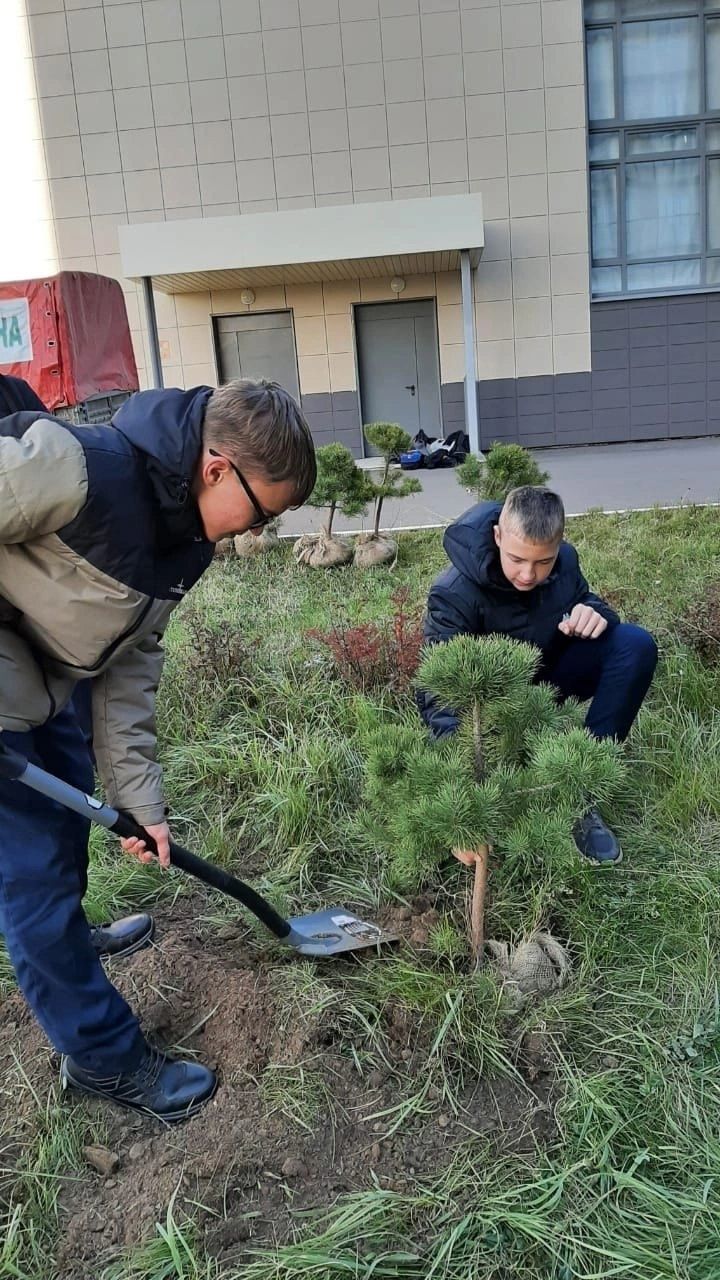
256 544
537 966
318 551
371 550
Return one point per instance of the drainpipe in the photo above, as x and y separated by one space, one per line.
152 333
471 409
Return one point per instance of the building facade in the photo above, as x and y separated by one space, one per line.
434 211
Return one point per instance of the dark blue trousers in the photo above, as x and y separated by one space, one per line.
615 670
43 877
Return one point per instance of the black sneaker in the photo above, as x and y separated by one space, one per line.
596 841
169 1089
123 937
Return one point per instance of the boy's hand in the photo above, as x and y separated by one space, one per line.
161 836
583 622
468 857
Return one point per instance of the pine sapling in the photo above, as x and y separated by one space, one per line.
470 679
504 467
512 780
390 440
340 486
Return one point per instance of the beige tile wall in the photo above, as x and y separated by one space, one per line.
152 109
323 323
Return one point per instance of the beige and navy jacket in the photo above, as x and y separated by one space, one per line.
100 539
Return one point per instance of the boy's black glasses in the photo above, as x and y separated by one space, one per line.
263 517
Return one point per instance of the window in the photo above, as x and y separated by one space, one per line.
653 76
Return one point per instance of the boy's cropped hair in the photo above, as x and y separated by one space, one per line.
535 513
260 427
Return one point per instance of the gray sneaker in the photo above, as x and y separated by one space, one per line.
596 841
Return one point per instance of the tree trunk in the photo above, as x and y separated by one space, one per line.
378 509
380 499
331 517
477 910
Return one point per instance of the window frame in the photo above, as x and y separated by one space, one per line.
622 127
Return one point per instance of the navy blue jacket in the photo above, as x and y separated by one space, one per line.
17 395
139 522
100 539
474 597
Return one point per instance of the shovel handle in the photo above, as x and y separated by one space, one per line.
14 766
127 828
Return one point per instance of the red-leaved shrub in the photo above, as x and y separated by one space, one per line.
376 656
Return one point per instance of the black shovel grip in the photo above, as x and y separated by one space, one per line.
12 764
127 828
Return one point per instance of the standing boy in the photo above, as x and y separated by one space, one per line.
103 530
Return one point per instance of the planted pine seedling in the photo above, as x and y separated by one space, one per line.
504 467
505 789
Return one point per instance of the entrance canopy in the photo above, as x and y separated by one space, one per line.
342 242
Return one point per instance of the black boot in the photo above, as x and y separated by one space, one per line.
596 841
169 1089
123 937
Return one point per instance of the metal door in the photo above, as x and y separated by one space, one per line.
398 365
258 345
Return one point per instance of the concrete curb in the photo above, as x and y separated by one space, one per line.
569 515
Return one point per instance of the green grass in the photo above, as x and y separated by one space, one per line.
29 1189
297 1092
264 770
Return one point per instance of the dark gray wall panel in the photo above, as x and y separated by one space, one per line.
334 417
655 374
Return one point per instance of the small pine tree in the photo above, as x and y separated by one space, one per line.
505 467
514 778
390 440
340 484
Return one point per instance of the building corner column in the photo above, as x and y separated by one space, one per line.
468 306
156 372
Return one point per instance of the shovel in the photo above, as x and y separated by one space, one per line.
324 933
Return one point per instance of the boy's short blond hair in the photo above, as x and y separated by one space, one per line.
534 513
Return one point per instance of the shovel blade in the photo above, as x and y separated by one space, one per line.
334 930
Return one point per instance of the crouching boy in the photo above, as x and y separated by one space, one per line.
513 574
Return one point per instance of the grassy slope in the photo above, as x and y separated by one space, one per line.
631 1186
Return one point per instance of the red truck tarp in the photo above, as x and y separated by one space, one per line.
67 336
